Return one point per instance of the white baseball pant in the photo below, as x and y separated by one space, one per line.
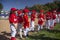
48 22
32 26
26 30
40 27
59 18
13 30
19 29
52 23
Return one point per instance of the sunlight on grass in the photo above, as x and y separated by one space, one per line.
46 35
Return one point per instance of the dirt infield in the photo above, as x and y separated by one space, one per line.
4 30
4 25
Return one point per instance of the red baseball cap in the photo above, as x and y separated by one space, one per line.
34 11
25 10
41 10
19 11
13 9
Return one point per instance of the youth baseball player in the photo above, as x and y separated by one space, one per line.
13 23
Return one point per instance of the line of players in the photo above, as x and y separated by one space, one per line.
19 21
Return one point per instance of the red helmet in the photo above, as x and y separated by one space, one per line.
19 12
26 10
41 10
13 9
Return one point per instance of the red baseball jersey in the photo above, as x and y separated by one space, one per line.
48 15
33 17
54 16
13 18
20 19
41 19
58 13
26 21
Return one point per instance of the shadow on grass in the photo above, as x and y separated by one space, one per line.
5 33
2 37
54 31
9 34
51 31
41 37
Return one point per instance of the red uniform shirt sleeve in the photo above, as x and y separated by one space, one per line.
10 18
25 18
13 18
54 16
33 17
40 19
26 21
20 19
48 17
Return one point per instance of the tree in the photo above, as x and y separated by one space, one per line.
46 7
36 7
1 7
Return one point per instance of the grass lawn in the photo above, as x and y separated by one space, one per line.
46 34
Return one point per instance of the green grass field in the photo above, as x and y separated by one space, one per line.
46 34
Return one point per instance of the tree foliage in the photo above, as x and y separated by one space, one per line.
46 7
1 7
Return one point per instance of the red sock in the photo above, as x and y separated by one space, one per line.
13 38
51 28
54 24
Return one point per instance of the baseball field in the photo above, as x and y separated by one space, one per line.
41 35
